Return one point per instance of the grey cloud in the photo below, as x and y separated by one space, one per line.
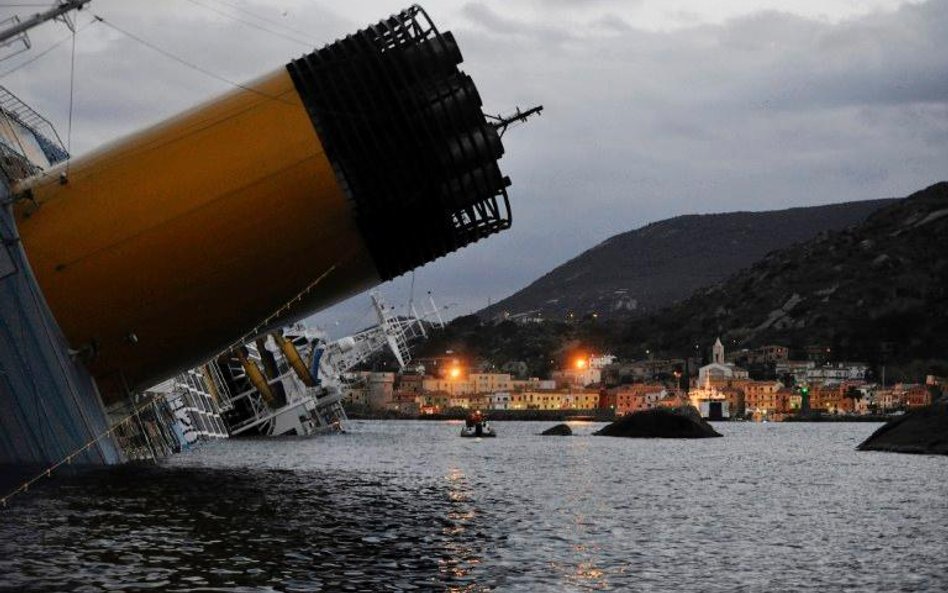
496 24
766 111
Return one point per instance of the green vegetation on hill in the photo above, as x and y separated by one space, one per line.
876 292
641 271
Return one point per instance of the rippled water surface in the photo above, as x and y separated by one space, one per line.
411 506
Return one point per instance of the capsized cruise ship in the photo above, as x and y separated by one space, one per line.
129 265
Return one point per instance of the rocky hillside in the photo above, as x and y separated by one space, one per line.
877 291
643 270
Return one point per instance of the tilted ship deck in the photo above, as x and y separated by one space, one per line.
347 167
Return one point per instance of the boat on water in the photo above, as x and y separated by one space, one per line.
476 425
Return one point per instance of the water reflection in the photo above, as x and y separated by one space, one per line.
411 506
172 529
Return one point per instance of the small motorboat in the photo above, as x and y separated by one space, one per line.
476 425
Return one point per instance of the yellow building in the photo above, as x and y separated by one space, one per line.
554 400
468 384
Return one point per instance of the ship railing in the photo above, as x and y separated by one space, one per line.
42 129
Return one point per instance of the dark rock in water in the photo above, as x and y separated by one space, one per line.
921 431
678 423
560 430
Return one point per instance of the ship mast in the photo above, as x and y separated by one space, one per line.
55 12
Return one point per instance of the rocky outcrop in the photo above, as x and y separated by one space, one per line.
678 423
922 431
560 430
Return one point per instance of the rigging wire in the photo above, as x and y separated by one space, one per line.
251 24
263 18
184 62
282 98
285 98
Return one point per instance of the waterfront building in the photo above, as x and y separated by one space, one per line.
828 398
581 376
766 398
638 397
490 382
887 400
456 382
453 386
839 371
533 383
381 390
710 402
719 372
607 399
499 401
413 383
406 403
554 400
581 400
916 396
434 401
794 368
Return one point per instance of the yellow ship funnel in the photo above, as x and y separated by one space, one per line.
351 165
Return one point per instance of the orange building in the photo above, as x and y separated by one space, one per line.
637 397
916 396
766 396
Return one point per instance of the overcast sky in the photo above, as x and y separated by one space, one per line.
654 108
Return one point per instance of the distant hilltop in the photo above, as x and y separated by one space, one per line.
877 292
641 271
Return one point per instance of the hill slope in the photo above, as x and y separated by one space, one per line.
875 292
643 270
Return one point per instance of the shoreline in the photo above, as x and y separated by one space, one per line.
584 415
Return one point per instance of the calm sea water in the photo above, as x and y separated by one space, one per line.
411 506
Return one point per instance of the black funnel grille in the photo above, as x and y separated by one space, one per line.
404 130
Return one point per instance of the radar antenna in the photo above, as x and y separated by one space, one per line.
502 122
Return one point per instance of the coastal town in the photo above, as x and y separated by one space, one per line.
761 384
